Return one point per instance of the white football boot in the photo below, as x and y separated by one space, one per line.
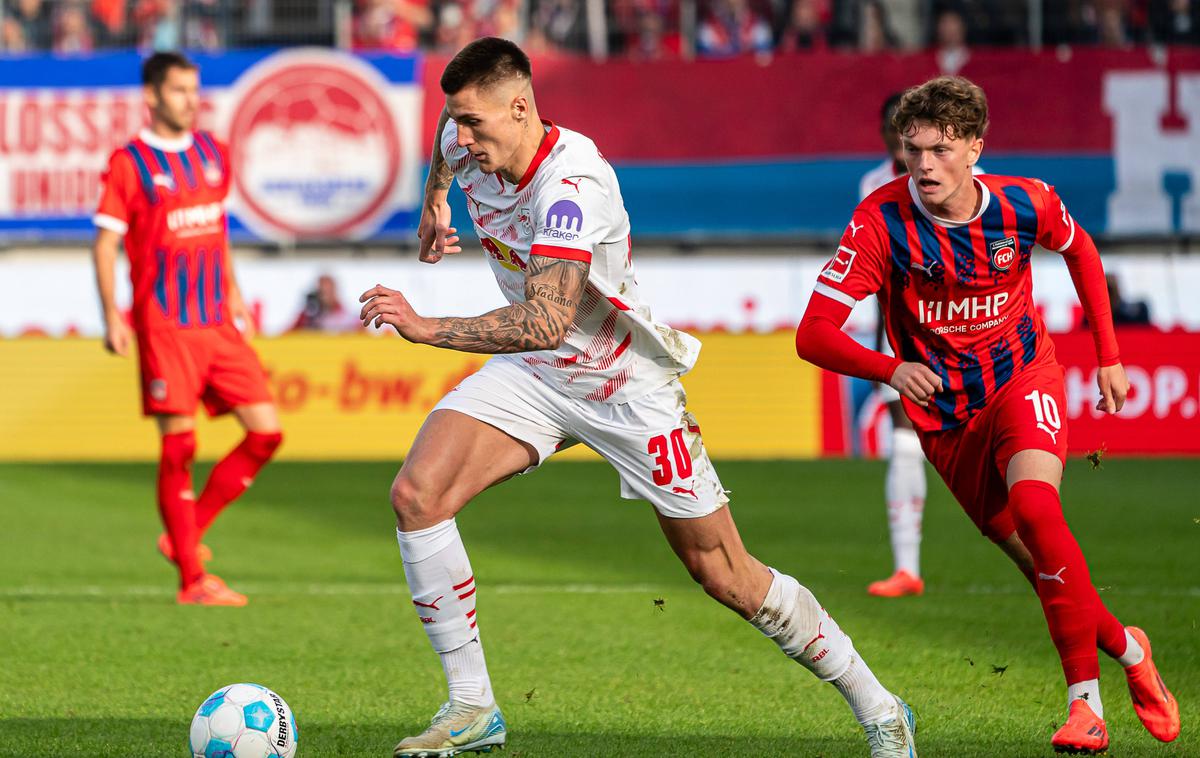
457 728
893 738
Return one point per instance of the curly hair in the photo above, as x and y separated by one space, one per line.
953 104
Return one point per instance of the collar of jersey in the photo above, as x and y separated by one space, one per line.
987 197
543 150
177 145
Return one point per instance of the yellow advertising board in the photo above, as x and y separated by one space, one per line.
364 397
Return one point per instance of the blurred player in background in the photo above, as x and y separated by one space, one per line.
904 488
578 359
324 312
948 254
164 193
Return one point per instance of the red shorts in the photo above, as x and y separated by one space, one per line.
1027 414
214 365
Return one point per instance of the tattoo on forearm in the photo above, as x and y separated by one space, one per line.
553 288
440 175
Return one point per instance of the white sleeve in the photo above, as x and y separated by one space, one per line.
570 217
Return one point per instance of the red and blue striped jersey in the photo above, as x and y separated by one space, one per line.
167 197
956 296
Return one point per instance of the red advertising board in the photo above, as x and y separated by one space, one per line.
1160 416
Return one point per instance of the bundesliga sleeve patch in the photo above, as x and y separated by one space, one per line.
839 267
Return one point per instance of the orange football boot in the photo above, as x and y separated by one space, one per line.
209 590
898 584
1083 734
1152 701
203 552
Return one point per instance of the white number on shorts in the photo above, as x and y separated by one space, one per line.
663 452
1045 410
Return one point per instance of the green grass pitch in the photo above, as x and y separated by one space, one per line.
96 660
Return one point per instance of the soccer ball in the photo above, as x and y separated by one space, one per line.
243 721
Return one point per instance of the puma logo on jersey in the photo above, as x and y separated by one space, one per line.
162 180
683 491
854 228
1055 577
928 270
574 184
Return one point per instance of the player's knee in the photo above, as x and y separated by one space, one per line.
179 448
412 503
716 578
263 446
1035 505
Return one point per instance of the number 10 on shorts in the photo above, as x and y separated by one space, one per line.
1045 410
665 450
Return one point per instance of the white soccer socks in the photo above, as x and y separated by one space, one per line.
791 616
1089 692
1134 654
443 594
905 492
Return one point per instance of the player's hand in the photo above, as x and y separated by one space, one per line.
1114 387
385 306
916 381
239 312
437 237
117 336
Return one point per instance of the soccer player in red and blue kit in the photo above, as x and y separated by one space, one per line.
948 255
164 193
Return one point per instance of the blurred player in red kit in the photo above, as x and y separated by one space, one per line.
948 255
164 193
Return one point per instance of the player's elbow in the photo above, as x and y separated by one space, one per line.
806 340
556 337
556 323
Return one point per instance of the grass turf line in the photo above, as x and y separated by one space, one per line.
97 660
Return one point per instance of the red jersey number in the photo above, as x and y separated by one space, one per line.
664 451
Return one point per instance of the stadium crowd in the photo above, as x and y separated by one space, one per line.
640 29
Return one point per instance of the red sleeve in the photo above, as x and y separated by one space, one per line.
821 341
1058 231
116 196
856 269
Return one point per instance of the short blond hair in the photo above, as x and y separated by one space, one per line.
953 104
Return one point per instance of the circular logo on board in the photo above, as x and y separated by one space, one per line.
315 149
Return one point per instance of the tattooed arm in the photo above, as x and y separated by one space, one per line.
437 237
553 289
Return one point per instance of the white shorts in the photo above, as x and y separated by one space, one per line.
652 442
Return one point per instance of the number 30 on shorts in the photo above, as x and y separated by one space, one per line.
665 449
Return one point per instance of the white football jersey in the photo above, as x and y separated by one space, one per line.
568 205
876 178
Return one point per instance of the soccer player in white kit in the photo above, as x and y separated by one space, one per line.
578 357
